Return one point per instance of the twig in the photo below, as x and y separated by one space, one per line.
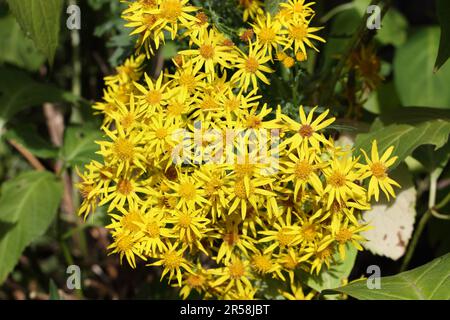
35 163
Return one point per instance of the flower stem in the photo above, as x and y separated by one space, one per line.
434 176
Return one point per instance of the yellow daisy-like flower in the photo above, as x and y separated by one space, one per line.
172 12
341 178
268 34
155 96
126 244
250 67
307 131
173 262
298 35
209 53
376 169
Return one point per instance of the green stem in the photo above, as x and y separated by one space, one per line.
434 176
76 66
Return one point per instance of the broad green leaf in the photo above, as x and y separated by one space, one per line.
406 129
19 91
28 204
40 20
443 11
27 136
428 282
416 83
334 276
432 159
392 221
79 145
394 26
16 48
394 29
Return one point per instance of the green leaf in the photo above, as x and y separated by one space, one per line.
332 277
54 294
428 282
394 29
27 136
19 91
416 83
17 49
406 129
79 145
28 204
40 20
443 11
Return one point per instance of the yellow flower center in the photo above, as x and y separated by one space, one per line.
175 108
187 80
127 121
303 170
124 187
161 133
124 149
171 10
288 62
236 269
187 190
202 17
306 131
244 169
185 220
195 281
298 32
254 122
232 104
85 190
284 237
172 260
337 179
149 20
125 243
308 232
344 235
131 220
207 51
378 170
213 186
239 189
266 35
262 263
154 97
324 254
153 229
251 65
209 103
289 262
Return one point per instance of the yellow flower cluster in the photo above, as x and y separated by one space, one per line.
201 179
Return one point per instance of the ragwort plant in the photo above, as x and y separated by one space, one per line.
203 180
